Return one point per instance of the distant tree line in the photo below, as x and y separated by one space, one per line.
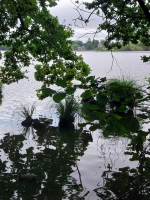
135 47
4 48
89 45
100 45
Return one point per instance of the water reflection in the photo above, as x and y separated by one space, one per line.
51 159
127 182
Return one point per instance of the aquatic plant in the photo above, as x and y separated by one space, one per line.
67 111
124 82
27 111
123 91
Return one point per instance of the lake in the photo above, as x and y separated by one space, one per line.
67 167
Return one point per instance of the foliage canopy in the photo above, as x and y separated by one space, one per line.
32 32
124 21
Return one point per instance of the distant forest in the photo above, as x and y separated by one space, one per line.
4 48
134 47
99 46
89 45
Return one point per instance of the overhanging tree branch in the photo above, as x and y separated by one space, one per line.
145 9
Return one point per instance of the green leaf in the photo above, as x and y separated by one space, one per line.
82 125
89 119
135 157
143 138
86 94
102 99
61 83
106 133
70 90
123 129
116 116
58 97
122 108
134 126
120 94
128 99
48 91
116 99
90 78
93 107
94 127
103 79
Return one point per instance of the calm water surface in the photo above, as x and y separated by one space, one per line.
127 64
86 169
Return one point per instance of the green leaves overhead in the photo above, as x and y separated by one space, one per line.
38 37
121 25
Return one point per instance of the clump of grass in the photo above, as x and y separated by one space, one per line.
125 89
123 82
27 111
67 110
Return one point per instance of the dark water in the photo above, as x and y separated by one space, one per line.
68 165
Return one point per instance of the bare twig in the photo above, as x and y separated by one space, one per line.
113 59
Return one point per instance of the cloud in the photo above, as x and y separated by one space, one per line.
66 12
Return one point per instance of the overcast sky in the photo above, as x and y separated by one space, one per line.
65 10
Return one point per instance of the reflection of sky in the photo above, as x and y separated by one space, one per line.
101 154
67 11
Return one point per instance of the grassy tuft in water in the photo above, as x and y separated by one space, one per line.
27 111
124 82
124 91
68 110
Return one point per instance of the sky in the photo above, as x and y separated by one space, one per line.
66 13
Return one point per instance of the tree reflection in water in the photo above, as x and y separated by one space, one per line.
51 159
129 183
54 154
